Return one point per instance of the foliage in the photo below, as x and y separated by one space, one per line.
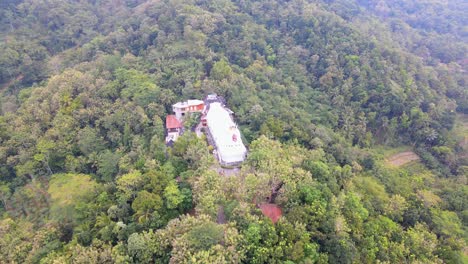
318 88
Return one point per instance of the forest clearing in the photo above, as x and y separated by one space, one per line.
402 158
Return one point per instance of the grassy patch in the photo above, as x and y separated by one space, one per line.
382 152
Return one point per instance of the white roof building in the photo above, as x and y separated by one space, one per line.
225 134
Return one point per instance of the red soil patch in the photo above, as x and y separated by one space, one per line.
271 211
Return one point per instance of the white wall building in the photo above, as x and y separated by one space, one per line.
190 106
225 134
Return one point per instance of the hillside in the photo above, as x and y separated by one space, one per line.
325 93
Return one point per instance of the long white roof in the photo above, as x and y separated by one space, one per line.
188 103
225 133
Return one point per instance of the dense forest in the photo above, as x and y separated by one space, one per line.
325 92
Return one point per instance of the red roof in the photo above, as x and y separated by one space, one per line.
172 122
271 211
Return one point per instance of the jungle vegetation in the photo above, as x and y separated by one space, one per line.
324 91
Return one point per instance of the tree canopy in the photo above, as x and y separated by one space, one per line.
323 91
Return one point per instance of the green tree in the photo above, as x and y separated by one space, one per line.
421 244
129 184
145 205
172 195
221 70
89 141
107 165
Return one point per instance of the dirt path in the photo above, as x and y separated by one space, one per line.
221 217
402 158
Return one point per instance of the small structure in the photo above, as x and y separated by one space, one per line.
190 106
211 98
173 127
224 134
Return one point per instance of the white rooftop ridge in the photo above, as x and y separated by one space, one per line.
225 134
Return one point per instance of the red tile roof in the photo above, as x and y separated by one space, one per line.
172 122
271 211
